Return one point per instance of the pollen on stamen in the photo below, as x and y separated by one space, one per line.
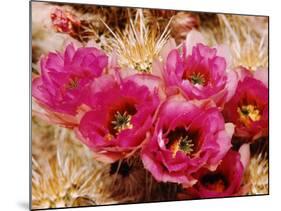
248 112
184 145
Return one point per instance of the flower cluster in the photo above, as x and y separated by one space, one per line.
181 116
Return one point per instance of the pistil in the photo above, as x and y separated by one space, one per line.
122 121
197 78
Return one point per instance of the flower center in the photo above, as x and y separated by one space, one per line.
248 112
72 83
197 78
121 121
214 182
179 140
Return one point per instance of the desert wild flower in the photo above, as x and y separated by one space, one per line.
186 138
120 117
248 109
63 79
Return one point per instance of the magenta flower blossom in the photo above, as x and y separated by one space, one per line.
225 181
64 78
120 118
200 75
186 137
248 109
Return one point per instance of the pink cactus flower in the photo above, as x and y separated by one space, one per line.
248 108
197 71
225 181
201 75
120 118
64 77
187 136
65 21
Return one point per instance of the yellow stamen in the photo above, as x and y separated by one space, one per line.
182 144
247 113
